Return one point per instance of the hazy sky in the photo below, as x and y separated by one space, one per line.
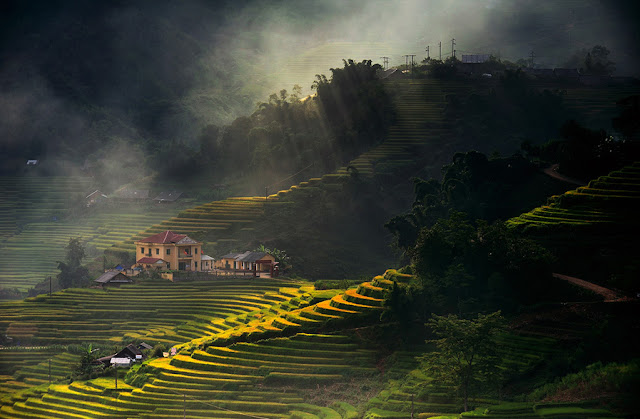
211 61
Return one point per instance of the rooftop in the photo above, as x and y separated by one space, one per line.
168 237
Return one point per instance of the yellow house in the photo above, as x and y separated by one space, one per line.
168 250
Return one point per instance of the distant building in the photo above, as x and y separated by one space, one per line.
169 250
94 198
249 261
113 278
126 356
32 162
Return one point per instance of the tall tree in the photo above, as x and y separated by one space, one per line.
465 355
72 273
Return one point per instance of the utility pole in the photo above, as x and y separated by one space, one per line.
440 47
453 44
406 62
427 52
406 59
385 62
532 55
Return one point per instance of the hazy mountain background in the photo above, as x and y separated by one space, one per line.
115 82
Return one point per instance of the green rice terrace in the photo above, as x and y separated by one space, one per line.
297 353
608 203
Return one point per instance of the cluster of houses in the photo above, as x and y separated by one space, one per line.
179 252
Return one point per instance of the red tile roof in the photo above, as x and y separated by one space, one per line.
149 260
164 237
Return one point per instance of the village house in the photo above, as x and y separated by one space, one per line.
247 261
126 356
94 198
168 250
113 278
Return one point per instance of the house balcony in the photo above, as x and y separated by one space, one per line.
185 256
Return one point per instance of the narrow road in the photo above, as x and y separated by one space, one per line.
609 295
553 172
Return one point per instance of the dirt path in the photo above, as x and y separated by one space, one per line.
609 295
553 172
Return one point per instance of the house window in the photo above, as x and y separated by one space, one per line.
196 249
168 251
168 265
195 265
157 251
142 250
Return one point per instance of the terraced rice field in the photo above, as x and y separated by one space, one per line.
520 353
251 369
31 255
153 311
608 203
27 199
225 374
595 107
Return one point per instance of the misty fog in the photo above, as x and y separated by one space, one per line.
76 77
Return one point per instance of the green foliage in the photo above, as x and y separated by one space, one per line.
483 188
87 365
464 267
280 255
465 355
72 273
593 381
442 69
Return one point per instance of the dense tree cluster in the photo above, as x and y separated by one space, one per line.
587 154
349 112
483 188
72 273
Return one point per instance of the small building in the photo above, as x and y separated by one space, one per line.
207 262
247 261
169 250
94 198
126 356
113 278
32 162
